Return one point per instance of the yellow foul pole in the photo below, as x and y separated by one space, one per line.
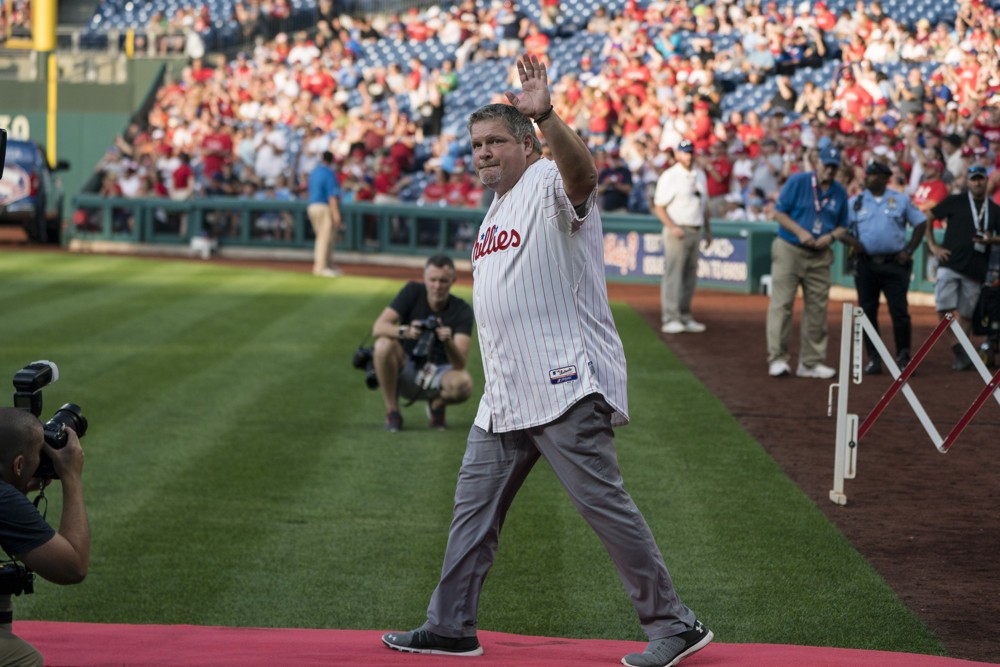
44 14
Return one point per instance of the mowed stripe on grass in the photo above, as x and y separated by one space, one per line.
237 474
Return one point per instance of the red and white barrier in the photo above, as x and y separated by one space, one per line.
850 432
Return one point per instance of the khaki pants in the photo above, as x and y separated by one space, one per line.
16 651
321 219
680 274
793 267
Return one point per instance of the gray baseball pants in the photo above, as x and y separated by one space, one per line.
580 448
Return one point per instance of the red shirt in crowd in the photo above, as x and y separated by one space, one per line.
930 192
182 177
537 43
201 73
718 176
857 101
751 136
435 192
216 150
990 133
418 31
319 82
600 115
825 19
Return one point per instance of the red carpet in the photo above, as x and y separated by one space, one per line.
106 645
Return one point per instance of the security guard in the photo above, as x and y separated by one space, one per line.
879 218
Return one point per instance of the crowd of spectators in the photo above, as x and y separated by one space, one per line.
15 19
924 99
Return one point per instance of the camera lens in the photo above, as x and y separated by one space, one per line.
68 415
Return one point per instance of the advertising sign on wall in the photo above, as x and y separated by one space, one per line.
640 256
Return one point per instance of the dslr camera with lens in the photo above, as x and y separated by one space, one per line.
28 385
364 360
16 579
429 327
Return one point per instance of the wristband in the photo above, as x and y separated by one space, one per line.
542 116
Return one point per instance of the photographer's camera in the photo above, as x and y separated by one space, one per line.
364 360
429 327
16 579
28 385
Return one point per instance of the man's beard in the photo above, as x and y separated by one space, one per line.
492 176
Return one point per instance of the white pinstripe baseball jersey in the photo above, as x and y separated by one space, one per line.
545 328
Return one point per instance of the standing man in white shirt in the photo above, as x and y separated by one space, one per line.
555 379
681 204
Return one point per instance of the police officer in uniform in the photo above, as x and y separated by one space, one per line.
879 218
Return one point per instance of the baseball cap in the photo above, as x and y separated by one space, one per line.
685 146
977 171
829 155
876 168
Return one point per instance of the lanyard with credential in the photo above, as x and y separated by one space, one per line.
820 203
980 218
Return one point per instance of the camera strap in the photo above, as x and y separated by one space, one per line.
41 498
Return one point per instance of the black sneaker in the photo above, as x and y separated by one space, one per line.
435 417
393 422
669 651
962 361
425 641
874 367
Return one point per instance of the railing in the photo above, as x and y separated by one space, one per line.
237 222
739 260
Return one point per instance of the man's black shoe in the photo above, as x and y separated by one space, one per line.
962 361
903 359
874 367
435 417
425 641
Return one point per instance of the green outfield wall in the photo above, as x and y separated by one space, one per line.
89 116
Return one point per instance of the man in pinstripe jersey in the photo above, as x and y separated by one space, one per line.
555 380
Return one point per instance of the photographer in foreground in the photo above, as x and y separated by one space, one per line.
61 557
422 342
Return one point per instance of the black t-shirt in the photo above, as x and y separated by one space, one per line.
958 235
22 528
411 304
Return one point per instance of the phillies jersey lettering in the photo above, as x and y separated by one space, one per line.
492 241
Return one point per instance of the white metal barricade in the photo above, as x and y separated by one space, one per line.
850 430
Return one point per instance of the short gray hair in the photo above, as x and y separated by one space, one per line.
19 430
516 122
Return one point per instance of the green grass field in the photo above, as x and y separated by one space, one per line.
237 474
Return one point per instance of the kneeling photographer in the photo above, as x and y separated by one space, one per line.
422 342
60 557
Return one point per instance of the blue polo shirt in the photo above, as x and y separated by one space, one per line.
880 222
800 198
323 184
